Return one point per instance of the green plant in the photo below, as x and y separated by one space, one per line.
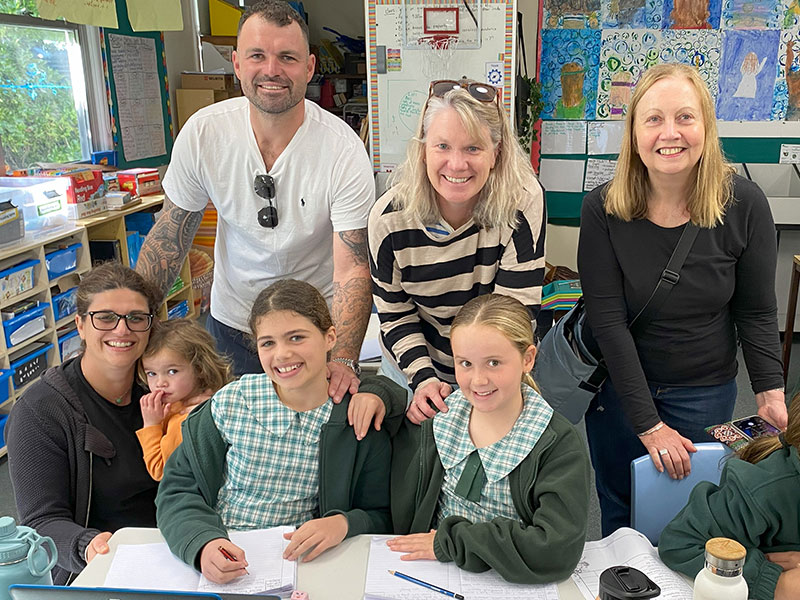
529 108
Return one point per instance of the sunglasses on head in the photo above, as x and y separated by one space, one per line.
264 186
482 92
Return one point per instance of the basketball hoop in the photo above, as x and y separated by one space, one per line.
437 53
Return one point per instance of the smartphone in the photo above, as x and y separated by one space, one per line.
754 427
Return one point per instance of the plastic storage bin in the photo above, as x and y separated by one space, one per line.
3 419
22 327
62 261
12 224
31 365
5 374
17 279
69 344
43 200
65 303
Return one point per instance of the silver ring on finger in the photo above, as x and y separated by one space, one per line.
663 451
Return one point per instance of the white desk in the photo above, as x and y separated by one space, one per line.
337 574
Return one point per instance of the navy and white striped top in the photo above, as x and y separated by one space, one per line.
422 277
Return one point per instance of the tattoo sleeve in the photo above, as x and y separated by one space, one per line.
167 244
352 292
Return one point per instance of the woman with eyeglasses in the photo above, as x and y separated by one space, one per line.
464 217
73 455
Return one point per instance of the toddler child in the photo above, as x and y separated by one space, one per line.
182 369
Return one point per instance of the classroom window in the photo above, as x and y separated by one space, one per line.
45 74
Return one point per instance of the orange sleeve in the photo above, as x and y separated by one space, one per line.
157 447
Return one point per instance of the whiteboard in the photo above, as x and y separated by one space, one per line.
397 96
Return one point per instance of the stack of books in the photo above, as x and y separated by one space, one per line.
561 295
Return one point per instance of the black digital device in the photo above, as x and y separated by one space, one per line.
755 427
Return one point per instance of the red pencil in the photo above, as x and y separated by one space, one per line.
229 556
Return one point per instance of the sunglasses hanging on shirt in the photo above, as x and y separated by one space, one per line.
264 186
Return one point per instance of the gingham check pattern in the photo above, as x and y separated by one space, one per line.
271 473
451 432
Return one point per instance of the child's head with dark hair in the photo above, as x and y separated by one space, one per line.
293 333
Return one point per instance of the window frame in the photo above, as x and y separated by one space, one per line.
94 120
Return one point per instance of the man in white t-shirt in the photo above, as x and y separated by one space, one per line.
292 185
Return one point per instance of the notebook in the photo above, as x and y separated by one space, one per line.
269 573
381 585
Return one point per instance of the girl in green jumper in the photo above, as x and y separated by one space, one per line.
273 449
499 480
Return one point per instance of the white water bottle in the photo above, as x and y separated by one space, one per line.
722 575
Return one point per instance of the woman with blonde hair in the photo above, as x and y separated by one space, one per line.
755 504
677 375
465 216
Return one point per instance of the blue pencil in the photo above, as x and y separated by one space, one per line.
425 584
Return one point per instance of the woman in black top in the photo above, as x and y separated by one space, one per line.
678 375
73 456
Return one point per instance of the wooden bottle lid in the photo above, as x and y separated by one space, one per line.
725 549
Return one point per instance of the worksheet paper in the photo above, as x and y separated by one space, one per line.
558 175
605 137
381 585
268 571
627 547
598 172
563 137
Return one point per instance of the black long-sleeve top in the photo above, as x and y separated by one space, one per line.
726 287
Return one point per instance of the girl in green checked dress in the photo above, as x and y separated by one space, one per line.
498 481
273 449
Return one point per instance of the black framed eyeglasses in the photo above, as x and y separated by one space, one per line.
264 186
482 92
107 320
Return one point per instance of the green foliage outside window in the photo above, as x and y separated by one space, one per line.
19 7
38 119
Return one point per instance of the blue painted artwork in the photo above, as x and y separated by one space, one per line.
786 103
632 14
569 73
624 55
698 48
750 14
747 75
564 14
692 14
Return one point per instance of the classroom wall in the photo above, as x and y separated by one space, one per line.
182 52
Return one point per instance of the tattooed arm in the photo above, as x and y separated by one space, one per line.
352 301
167 245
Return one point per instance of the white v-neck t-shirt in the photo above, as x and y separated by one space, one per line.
323 183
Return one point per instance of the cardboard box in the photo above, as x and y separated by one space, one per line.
190 101
139 182
90 208
207 81
84 184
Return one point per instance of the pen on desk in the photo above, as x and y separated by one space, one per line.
425 584
228 555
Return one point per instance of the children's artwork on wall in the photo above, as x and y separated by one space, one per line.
747 75
571 14
634 14
790 13
569 73
786 104
751 14
692 14
700 49
624 55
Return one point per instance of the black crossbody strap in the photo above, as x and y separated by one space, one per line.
524 62
669 277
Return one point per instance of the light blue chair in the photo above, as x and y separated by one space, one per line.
656 498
